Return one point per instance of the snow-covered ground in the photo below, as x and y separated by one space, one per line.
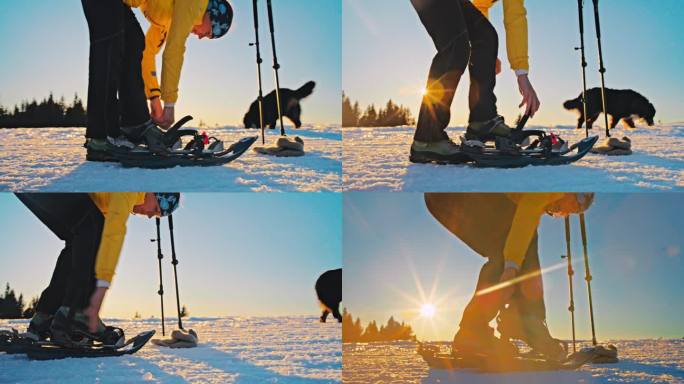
231 350
376 159
54 160
642 361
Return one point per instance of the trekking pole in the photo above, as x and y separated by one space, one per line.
580 7
276 66
174 261
260 99
160 256
602 68
571 273
587 276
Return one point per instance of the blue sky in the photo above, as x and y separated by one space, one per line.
387 53
45 48
239 254
392 246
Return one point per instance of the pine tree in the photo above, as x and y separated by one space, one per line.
371 333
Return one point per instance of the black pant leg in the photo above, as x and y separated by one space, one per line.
445 22
530 306
85 244
53 296
132 98
482 67
74 218
105 27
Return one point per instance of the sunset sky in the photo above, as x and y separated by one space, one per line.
239 254
394 250
48 52
387 53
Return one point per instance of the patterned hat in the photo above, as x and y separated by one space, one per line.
168 202
221 16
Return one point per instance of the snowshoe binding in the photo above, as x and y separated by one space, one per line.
435 358
471 341
533 331
74 332
52 351
200 150
524 147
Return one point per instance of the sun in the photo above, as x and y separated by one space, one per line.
427 310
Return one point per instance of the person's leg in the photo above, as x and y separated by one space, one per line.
52 297
482 67
444 21
482 221
86 241
530 293
525 317
134 110
105 28
68 216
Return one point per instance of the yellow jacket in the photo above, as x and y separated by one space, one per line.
171 23
116 207
530 208
515 21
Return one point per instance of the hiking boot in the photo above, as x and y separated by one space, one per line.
149 134
39 327
75 332
481 341
488 130
494 130
443 151
99 150
120 142
533 331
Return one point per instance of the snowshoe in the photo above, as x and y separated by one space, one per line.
535 147
481 341
437 359
74 332
13 342
52 351
195 157
543 151
200 150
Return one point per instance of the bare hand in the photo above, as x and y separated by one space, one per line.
93 310
498 66
167 117
156 110
529 95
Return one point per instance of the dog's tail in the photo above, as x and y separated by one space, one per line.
306 90
573 104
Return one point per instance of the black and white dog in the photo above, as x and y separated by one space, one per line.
621 104
329 292
289 106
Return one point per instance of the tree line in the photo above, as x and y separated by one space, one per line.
13 307
354 332
45 113
392 115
